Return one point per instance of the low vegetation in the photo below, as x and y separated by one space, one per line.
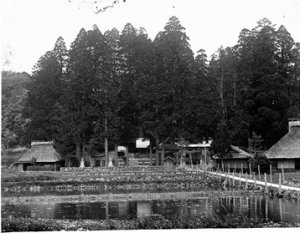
10 157
227 221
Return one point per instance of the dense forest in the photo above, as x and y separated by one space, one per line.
109 89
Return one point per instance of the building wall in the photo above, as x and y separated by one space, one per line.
234 163
286 163
20 167
168 164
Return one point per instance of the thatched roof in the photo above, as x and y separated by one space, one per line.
236 153
42 153
288 147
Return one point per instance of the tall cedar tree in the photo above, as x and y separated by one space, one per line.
173 68
44 91
74 119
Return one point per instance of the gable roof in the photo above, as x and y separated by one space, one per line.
42 152
195 145
168 157
102 154
288 147
169 146
236 153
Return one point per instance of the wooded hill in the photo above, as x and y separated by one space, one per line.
109 89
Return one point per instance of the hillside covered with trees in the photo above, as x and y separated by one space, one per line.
110 88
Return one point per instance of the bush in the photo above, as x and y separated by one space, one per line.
152 222
260 160
27 224
14 175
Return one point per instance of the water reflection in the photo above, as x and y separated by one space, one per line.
253 206
98 191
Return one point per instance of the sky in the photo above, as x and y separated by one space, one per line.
29 28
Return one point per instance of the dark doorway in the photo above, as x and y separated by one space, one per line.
297 164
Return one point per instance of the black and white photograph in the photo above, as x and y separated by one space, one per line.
155 115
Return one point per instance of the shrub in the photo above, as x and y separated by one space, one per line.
152 222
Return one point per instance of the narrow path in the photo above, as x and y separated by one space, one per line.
262 183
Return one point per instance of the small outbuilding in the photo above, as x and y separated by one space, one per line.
169 163
98 159
236 158
41 156
286 152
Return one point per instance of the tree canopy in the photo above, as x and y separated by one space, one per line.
110 88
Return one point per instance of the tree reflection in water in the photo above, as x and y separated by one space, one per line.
253 206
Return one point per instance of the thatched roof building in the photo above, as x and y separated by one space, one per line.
40 153
236 158
238 153
286 152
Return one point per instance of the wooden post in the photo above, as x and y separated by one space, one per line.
241 205
116 156
234 167
240 179
229 167
270 173
266 184
246 181
280 209
266 207
279 183
258 172
242 168
220 178
228 178
233 179
250 170
283 180
126 156
106 210
254 180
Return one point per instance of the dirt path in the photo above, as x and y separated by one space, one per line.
285 187
262 183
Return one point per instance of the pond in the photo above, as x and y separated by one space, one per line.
189 206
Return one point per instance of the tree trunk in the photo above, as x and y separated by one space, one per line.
78 152
157 151
106 142
234 89
163 151
222 95
116 157
126 155
150 153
